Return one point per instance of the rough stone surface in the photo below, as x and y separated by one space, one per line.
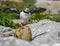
24 34
45 33
5 31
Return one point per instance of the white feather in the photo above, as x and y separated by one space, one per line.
24 16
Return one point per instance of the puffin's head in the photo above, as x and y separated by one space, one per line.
26 10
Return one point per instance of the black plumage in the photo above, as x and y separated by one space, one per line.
37 10
11 10
15 10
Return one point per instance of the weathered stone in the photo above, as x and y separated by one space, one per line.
45 33
5 31
24 34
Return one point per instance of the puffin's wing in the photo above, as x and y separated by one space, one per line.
11 10
8 10
37 10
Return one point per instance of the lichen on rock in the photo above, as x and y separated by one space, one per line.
24 34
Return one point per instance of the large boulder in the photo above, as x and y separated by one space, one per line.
12 41
44 33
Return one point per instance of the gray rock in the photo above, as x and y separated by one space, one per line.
12 41
5 31
45 33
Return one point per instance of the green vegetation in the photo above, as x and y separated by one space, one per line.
6 18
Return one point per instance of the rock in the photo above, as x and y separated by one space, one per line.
44 33
12 41
5 31
49 30
24 34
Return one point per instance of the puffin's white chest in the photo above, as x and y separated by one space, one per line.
24 16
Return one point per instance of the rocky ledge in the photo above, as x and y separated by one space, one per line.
44 33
